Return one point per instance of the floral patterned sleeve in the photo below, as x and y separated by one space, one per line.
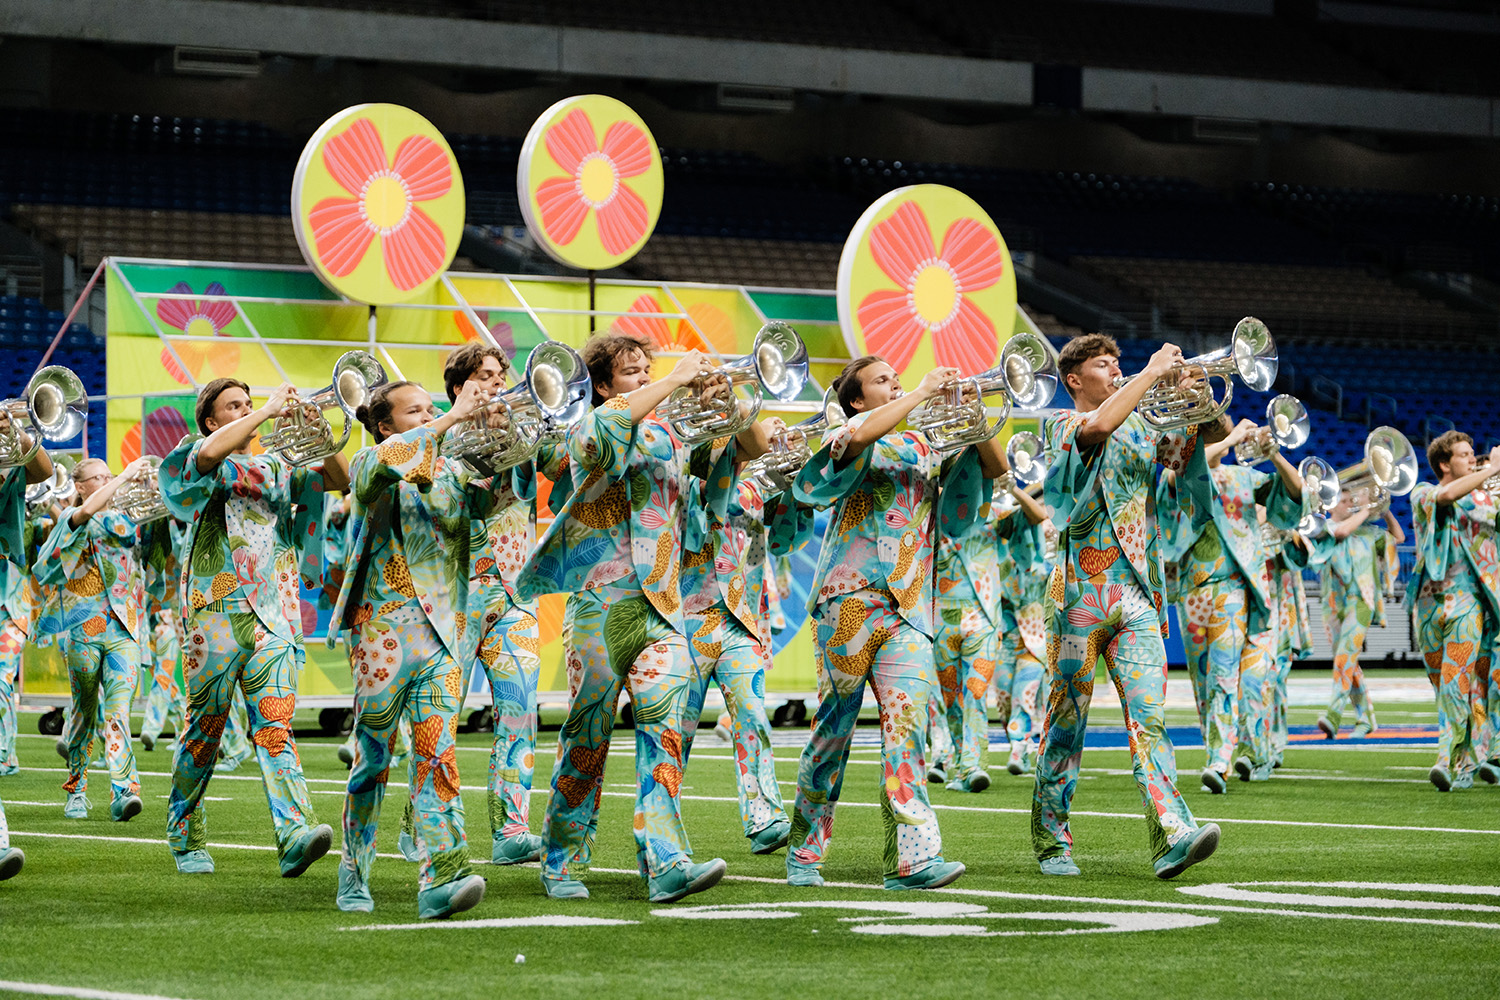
1182 452
964 493
307 488
600 444
789 523
184 489
832 473
62 553
13 516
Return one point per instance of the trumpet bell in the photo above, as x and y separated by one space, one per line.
553 394
1320 478
1312 527
1389 470
304 436
58 402
140 498
1287 418
1024 452
1030 371
1026 376
1254 352
776 367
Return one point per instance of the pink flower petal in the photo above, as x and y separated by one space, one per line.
414 252
974 254
571 139
423 165
629 148
220 314
901 243
173 368
652 329
340 235
968 342
891 329
622 222
563 209
354 154
177 312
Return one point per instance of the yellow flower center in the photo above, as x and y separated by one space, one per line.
934 294
596 179
200 326
386 202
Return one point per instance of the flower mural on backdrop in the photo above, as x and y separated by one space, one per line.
205 317
386 191
595 182
932 294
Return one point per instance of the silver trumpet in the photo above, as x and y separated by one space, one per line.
1251 354
776 367
303 435
1319 478
1287 429
509 427
1024 452
1491 484
1025 378
790 450
139 497
55 407
57 488
1389 470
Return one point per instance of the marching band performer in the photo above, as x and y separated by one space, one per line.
91 558
13 549
872 609
1354 559
239 611
509 650
616 550
1227 611
166 701
723 570
1455 590
1106 594
411 628
1293 631
968 577
1023 646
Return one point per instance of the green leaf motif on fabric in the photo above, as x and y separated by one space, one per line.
640 490
664 705
952 616
884 490
210 546
627 630
890 856
244 626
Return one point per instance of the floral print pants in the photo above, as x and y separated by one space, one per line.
1119 622
12 643
1456 637
1348 618
862 638
102 662
725 653
166 702
613 637
965 653
1286 629
1229 671
509 654
402 670
1020 682
225 651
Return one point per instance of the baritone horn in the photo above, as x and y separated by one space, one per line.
776 367
139 497
1389 470
303 435
1251 355
1024 452
509 427
1287 428
57 488
55 407
1025 378
1319 478
790 450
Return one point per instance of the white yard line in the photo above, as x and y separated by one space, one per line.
51 990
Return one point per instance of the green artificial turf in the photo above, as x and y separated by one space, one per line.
116 916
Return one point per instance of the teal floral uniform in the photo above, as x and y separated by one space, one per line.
239 610
728 639
616 550
1353 574
1023 639
101 605
1228 612
1293 632
872 609
411 626
1455 590
13 550
166 699
1105 599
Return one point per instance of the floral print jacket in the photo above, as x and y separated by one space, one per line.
622 524
249 520
413 513
1364 562
890 502
1122 471
1453 541
974 566
96 569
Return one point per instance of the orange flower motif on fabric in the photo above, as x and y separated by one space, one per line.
595 182
444 771
1095 561
271 738
277 709
931 295
575 790
197 318
386 192
668 777
589 761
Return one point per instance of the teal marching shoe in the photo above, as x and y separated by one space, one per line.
1188 851
443 901
517 850
563 888
772 838
124 809
11 860
684 879
1059 864
354 894
805 876
307 848
193 862
934 876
